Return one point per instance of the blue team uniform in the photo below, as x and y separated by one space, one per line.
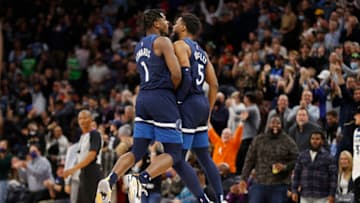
157 114
194 109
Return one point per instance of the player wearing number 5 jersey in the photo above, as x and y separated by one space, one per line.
193 104
157 115
356 157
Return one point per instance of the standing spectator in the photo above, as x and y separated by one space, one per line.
305 102
351 30
344 189
211 15
282 110
332 130
5 166
315 174
98 73
89 159
302 129
35 171
333 36
226 146
273 155
56 146
251 119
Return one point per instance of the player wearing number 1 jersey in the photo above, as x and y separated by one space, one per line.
193 104
157 115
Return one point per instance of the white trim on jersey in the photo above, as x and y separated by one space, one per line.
158 124
356 154
194 130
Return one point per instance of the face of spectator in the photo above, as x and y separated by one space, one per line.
302 117
226 135
307 97
357 95
3 146
60 171
34 152
344 161
275 125
331 120
315 142
351 83
57 132
94 125
357 118
332 26
283 102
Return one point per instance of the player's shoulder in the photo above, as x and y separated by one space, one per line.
162 40
180 44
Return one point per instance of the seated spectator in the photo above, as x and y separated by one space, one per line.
57 187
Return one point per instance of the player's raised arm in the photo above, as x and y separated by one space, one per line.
167 50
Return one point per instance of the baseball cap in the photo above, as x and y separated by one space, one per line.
324 74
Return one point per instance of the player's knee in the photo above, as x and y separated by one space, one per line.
174 150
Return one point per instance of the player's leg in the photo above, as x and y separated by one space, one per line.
201 150
172 142
143 133
191 180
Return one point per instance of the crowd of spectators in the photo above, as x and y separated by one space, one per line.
298 59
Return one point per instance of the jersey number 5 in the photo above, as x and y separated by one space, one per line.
201 77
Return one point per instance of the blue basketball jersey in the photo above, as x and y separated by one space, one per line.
154 73
198 62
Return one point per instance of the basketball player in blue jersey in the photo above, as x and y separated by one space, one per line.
193 104
157 114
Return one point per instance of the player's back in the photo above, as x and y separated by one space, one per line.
198 63
154 74
195 108
156 100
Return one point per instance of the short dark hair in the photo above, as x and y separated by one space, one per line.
251 96
318 132
150 16
332 113
192 22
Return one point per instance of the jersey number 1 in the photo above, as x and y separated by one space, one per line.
143 64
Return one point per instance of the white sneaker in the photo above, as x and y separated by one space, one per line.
103 193
135 189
